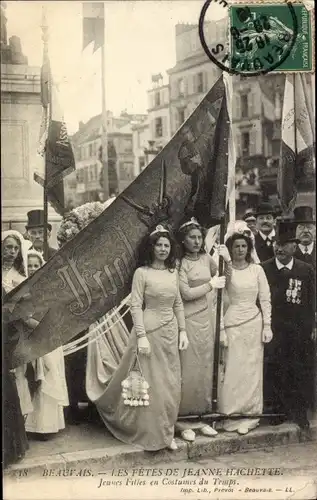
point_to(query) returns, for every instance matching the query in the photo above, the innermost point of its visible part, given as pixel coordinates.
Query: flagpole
(45, 198)
(104, 138)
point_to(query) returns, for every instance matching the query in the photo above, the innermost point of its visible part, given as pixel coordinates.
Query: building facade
(21, 113)
(256, 110)
(141, 135)
(85, 184)
(193, 74)
(159, 112)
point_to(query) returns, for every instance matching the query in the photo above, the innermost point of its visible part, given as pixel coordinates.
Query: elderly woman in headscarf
(13, 273)
(50, 389)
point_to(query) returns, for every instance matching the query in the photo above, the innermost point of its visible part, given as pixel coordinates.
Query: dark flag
(297, 150)
(54, 141)
(93, 24)
(92, 273)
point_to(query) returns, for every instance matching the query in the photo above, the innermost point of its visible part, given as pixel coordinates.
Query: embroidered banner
(92, 273)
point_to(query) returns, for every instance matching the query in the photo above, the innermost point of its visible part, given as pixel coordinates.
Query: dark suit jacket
(264, 252)
(288, 315)
(305, 257)
(51, 252)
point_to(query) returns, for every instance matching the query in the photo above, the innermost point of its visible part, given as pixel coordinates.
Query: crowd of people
(149, 370)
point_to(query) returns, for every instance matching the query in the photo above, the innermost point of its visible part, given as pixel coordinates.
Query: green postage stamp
(272, 37)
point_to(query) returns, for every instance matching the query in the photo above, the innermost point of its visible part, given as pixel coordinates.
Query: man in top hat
(35, 231)
(265, 224)
(288, 365)
(306, 234)
(250, 218)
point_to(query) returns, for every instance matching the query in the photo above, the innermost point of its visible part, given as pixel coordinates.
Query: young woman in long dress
(51, 396)
(246, 328)
(197, 278)
(156, 338)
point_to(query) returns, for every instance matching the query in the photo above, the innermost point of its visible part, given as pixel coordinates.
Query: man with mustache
(265, 222)
(306, 234)
(288, 372)
(35, 231)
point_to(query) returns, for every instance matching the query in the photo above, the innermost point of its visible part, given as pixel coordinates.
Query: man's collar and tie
(306, 249)
(268, 238)
(284, 267)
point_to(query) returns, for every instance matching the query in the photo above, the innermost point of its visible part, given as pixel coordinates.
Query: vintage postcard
(158, 250)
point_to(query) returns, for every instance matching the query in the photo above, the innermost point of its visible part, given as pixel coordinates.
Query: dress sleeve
(137, 299)
(264, 295)
(191, 293)
(179, 309)
(213, 266)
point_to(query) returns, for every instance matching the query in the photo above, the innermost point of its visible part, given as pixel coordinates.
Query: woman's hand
(224, 253)
(218, 282)
(144, 346)
(267, 334)
(183, 340)
(223, 338)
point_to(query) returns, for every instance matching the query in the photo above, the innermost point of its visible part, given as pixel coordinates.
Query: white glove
(267, 334)
(224, 253)
(144, 346)
(223, 338)
(218, 282)
(183, 340)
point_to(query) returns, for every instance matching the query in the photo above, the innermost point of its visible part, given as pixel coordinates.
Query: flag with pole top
(187, 178)
(55, 145)
(297, 147)
(93, 24)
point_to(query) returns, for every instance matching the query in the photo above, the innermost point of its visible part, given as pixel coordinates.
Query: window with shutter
(164, 126)
(244, 105)
(253, 146)
(158, 127)
(245, 143)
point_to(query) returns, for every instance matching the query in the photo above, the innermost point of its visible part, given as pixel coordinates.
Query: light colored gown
(52, 395)
(157, 310)
(197, 360)
(242, 387)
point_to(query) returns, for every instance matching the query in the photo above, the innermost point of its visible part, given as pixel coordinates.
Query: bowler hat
(303, 214)
(36, 219)
(265, 208)
(286, 231)
(248, 215)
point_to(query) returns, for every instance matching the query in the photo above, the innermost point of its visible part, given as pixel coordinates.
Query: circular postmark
(261, 37)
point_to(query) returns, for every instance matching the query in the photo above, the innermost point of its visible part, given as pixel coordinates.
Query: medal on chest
(293, 292)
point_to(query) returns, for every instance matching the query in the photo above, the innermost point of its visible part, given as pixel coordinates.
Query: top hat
(265, 208)
(286, 231)
(249, 214)
(304, 214)
(36, 219)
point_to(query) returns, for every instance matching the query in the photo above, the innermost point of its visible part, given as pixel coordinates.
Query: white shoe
(173, 446)
(188, 435)
(208, 431)
(244, 429)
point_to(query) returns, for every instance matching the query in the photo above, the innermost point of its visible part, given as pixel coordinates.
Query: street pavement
(270, 473)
